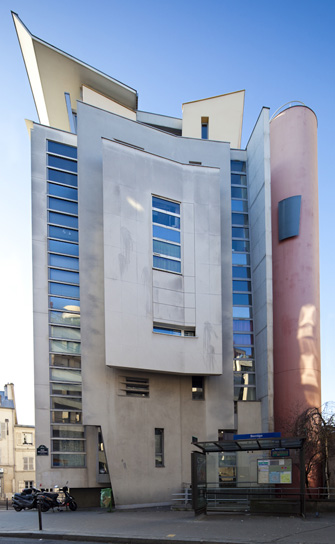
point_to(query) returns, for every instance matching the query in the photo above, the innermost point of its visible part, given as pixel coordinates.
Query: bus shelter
(271, 462)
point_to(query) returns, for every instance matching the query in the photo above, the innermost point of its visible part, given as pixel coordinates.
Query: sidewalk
(150, 526)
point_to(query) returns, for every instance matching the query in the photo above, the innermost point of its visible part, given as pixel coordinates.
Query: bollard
(39, 515)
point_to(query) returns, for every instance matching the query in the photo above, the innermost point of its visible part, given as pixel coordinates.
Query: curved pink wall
(296, 299)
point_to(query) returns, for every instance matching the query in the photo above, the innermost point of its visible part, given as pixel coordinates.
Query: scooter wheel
(73, 505)
(17, 508)
(44, 508)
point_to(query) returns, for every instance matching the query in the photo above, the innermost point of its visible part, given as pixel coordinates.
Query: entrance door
(199, 479)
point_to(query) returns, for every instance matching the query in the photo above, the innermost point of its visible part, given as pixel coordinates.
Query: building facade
(17, 448)
(153, 287)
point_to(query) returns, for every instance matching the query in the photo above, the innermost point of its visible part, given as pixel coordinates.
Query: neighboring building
(17, 448)
(153, 249)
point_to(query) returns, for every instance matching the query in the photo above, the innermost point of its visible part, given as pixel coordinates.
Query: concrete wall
(259, 195)
(100, 101)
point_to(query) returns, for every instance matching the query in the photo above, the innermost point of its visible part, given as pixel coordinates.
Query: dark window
(198, 392)
(159, 447)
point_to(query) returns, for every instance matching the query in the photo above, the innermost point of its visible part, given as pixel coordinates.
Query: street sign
(42, 450)
(256, 436)
(280, 452)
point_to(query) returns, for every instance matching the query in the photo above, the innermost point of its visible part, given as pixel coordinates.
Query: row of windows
(166, 235)
(67, 432)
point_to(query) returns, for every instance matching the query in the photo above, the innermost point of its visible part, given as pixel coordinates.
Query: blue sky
(171, 52)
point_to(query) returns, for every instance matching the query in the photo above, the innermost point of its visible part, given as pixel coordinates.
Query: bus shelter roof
(254, 444)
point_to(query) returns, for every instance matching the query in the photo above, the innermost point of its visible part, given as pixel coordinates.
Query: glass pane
(242, 325)
(240, 245)
(244, 393)
(63, 220)
(243, 339)
(239, 219)
(239, 232)
(64, 192)
(166, 219)
(242, 312)
(243, 352)
(63, 275)
(64, 403)
(62, 149)
(64, 262)
(68, 389)
(68, 445)
(241, 258)
(65, 375)
(66, 417)
(64, 304)
(63, 247)
(239, 205)
(163, 330)
(204, 131)
(64, 318)
(64, 290)
(67, 431)
(167, 264)
(163, 248)
(63, 177)
(243, 365)
(66, 361)
(237, 166)
(62, 164)
(241, 272)
(63, 234)
(238, 180)
(62, 205)
(242, 300)
(66, 460)
(62, 346)
(241, 285)
(239, 192)
(244, 379)
(65, 332)
(166, 234)
(165, 205)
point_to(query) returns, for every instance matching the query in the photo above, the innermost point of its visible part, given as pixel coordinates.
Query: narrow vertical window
(159, 447)
(204, 128)
(198, 388)
(166, 234)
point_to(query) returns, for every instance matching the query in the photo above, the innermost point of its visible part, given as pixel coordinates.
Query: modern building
(161, 283)
(17, 448)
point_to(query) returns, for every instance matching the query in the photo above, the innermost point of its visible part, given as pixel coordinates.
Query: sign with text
(42, 450)
(274, 471)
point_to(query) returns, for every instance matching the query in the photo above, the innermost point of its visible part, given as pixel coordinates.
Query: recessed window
(198, 390)
(174, 331)
(166, 234)
(159, 447)
(204, 128)
(134, 386)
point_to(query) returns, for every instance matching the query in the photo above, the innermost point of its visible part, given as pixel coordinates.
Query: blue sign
(256, 436)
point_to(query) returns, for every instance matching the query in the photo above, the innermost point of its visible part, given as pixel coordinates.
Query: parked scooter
(53, 500)
(26, 500)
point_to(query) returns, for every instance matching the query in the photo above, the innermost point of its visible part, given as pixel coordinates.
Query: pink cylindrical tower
(295, 247)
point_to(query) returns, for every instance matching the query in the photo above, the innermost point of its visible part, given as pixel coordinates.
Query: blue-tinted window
(204, 131)
(166, 234)
(64, 262)
(64, 318)
(242, 300)
(243, 339)
(239, 219)
(242, 325)
(63, 234)
(163, 248)
(239, 192)
(241, 272)
(167, 264)
(63, 247)
(63, 220)
(239, 205)
(241, 258)
(164, 330)
(62, 177)
(63, 275)
(62, 149)
(241, 285)
(63, 290)
(63, 205)
(63, 192)
(166, 205)
(237, 179)
(242, 312)
(237, 166)
(239, 232)
(62, 164)
(57, 303)
(243, 351)
(166, 219)
(240, 245)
